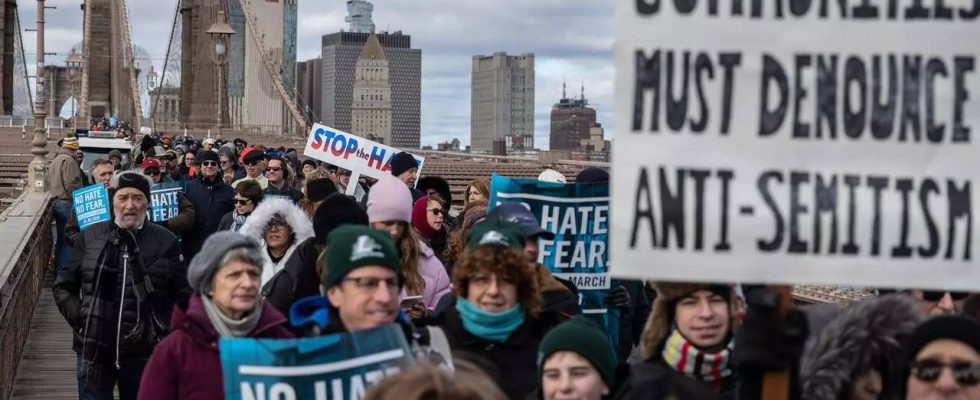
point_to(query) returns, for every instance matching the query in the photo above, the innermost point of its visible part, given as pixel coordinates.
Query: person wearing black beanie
(592, 175)
(404, 167)
(300, 277)
(944, 358)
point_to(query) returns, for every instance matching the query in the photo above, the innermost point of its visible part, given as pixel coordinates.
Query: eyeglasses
(251, 163)
(226, 162)
(934, 295)
(436, 211)
(965, 374)
(242, 202)
(152, 172)
(370, 284)
(274, 169)
(209, 163)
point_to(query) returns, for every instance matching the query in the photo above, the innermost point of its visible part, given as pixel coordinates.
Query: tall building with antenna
(573, 122)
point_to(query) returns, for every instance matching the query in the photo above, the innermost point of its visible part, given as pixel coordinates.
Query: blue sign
(164, 201)
(91, 205)
(339, 366)
(578, 215)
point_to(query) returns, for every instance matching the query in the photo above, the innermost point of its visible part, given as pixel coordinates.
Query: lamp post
(151, 85)
(74, 64)
(38, 168)
(219, 32)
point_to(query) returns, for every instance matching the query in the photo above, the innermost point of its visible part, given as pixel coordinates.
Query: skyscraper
(359, 16)
(571, 122)
(502, 102)
(309, 81)
(341, 51)
(371, 104)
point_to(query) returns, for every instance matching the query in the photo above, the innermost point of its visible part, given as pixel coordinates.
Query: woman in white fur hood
(280, 226)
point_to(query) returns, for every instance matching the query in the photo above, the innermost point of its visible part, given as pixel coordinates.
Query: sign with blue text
(338, 366)
(91, 205)
(164, 201)
(361, 156)
(578, 215)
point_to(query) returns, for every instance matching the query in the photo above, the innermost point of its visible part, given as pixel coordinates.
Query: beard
(129, 221)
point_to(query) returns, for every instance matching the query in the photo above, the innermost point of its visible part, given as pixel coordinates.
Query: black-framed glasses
(436, 211)
(152, 172)
(965, 373)
(242, 202)
(371, 284)
(251, 163)
(226, 162)
(936, 295)
(274, 169)
(209, 163)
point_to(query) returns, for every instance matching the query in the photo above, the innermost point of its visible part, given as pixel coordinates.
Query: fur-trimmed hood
(867, 335)
(659, 323)
(254, 227)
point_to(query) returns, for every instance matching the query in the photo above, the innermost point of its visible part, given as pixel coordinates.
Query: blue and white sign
(339, 366)
(91, 205)
(164, 201)
(578, 215)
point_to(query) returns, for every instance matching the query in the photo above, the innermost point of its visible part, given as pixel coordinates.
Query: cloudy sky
(572, 40)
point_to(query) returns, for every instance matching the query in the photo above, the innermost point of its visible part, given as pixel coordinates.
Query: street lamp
(219, 32)
(151, 85)
(74, 63)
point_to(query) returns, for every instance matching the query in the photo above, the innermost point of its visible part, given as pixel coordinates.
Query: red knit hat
(420, 218)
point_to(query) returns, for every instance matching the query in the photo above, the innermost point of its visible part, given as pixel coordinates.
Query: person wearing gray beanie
(202, 268)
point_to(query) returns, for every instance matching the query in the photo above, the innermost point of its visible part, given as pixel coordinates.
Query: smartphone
(410, 301)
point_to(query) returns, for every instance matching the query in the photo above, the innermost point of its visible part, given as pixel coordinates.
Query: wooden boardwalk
(47, 369)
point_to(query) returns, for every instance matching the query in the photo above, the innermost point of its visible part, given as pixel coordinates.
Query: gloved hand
(766, 341)
(618, 297)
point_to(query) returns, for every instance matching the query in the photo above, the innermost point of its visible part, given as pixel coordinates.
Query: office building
(571, 122)
(502, 103)
(371, 104)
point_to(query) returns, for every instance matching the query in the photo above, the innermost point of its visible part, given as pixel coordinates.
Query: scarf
(693, 363)
(495, 327)
(238, 220)
(227, 327)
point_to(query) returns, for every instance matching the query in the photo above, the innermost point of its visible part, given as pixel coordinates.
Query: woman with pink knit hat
(389, 208)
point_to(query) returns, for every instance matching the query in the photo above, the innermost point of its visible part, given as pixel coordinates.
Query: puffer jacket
(212, 199)
(298, 278)
(186, 364)
(255, 225)
(74, 287)
(434, 275)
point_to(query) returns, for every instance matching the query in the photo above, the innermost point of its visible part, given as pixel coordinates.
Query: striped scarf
(688, 360)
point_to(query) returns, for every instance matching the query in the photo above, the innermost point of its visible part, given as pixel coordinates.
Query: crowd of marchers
(267, 245)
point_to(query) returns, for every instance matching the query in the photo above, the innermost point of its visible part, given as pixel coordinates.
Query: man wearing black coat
(212, 199)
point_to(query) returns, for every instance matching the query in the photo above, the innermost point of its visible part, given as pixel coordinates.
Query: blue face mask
(495, 327)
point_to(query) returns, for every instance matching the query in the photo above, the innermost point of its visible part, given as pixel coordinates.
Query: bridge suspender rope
(129, 60)
(298, 117)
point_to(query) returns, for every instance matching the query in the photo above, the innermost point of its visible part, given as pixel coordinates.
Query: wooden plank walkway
(47, 368)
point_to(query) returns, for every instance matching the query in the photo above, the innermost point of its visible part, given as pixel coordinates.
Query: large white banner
(797, 141)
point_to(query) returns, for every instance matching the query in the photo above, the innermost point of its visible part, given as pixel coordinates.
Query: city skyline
(572, 41)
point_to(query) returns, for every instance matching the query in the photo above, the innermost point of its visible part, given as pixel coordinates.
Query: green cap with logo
(495, 232)
(350, 247)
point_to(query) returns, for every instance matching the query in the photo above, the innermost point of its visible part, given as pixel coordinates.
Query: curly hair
(504, 262)
(409, 253)
(457, 240)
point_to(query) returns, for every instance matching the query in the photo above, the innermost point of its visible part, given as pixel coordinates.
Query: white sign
(822, 142)
(361, 156)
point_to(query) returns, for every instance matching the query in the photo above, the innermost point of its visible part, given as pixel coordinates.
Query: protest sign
(91, 205)
(339, 366)
(578, 215)
(797, 142)
(164, 201)
(360, 155)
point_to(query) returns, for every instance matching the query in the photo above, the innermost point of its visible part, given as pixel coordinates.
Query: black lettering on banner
(702, 65)
(677, 109)
(883, 115)
(852, 182)
(737, 7)
(796, 209)
(699, 175)
(865, 10)
(841, 6)
(772, 72)
(763, 185)
(726, 176)
(800, 129)
(961, 65)
(826, 95)
(934, 132)
(972, 13)
(911, 73)
(825, 201)
(673, 209)
(647, 79)
(728, 63)
(892, 9)
(799, 8)
(916, 11)
(940, 11)
(685, 7)
(643, 193)
(855, 75)
(713, 8)
(877, 183)
(929, 186)
(902, 249)
(647, 7)
(960, 206)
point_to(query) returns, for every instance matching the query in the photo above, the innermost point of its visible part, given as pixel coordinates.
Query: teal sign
(164, 201)
(91, 205)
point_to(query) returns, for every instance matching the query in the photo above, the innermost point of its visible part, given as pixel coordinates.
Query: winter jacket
(297, 280)
(186, 364)
(74, 287)
(632, 318)
(286, 191)
(513, 363)
(435, 277)
(655, 380)
(65, 176)
(212, 199)
(183, 222)
(256, 223)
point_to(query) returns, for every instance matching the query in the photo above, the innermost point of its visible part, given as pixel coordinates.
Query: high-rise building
(359, 16)
(341, 51)
(502, 103)
(309, 87)
(371, 104)
(571, 121)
